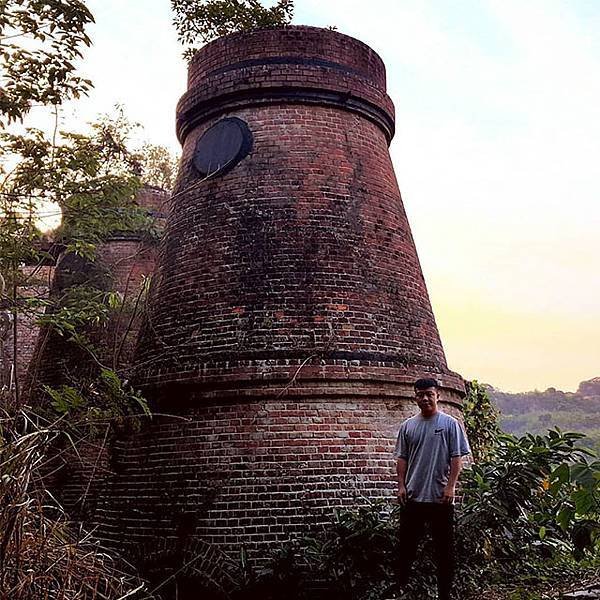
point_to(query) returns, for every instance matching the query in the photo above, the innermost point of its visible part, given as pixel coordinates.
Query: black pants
(415, 518)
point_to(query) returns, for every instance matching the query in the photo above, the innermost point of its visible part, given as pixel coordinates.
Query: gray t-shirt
(428, 445)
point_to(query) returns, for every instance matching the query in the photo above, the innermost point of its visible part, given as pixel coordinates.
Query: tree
(481, 421)
(204, 20)
(39, 42)
(159, 166)
(91, 179)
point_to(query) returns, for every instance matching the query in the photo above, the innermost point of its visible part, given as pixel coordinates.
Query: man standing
(429, 455)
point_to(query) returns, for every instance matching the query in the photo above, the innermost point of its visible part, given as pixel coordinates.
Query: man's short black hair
(426, 382)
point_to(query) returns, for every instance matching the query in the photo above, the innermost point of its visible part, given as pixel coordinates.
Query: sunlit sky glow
(496, 153)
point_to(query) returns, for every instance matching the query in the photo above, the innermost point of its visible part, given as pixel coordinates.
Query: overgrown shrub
(535, 503)
(481, 421)
(42, 553)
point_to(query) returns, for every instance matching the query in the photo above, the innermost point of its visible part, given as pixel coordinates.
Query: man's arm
(450, 489)
(401, 466)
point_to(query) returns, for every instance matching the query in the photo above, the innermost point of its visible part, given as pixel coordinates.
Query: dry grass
(42, 554)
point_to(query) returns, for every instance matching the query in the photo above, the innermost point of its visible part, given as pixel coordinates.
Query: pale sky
(497, 154)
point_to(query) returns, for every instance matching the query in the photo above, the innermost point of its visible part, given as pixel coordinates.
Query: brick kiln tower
(123, 261)
(289, 315)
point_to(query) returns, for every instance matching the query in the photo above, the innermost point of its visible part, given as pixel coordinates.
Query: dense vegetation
(537, 411)
(91, 179)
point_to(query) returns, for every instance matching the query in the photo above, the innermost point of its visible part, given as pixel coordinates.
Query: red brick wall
(225, 53)
(268, 66)
(36, 286)
(157, 201)
(258, 472)
(303, 249)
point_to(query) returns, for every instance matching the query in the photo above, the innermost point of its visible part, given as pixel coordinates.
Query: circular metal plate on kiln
(222, 146)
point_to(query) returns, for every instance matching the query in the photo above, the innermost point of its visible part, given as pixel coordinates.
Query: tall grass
(43, 555)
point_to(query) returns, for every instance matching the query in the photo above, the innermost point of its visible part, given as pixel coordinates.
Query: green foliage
(522, 502)
(358, 552)
(80, 306)
(481, 421)
(121, 394)
(64, 398)
(107, 399)
(352, 558)
(92, 179)
(39, 42)
(159, 166)
(200, 21)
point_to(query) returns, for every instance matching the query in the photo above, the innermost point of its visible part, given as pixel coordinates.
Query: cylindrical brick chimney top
(295, 64)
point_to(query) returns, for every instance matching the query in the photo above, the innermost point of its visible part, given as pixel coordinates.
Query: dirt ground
(542, 592)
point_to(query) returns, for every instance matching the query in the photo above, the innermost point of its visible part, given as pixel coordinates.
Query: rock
(592, 593)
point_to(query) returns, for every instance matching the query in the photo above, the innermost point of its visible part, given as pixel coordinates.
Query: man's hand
(449, 493)
(402, 494)
(450, 489)
(401, 467)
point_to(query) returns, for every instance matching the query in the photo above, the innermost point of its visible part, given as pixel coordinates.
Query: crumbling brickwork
(123, 262)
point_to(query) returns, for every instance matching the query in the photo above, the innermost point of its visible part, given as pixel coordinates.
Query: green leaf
(561, 473)
(565, 517)
(64, 398)
(583, 474)
(584, 501)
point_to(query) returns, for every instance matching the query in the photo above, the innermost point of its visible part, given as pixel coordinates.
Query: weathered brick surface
(304, 247)
(38, 280)
(256, 473)
(123, 262)
(156, 201)
(332, 50)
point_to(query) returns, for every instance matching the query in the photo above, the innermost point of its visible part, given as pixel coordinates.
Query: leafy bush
(481, 421)
(537, 500)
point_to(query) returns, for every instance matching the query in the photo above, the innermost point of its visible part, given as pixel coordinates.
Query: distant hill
(536, 411)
